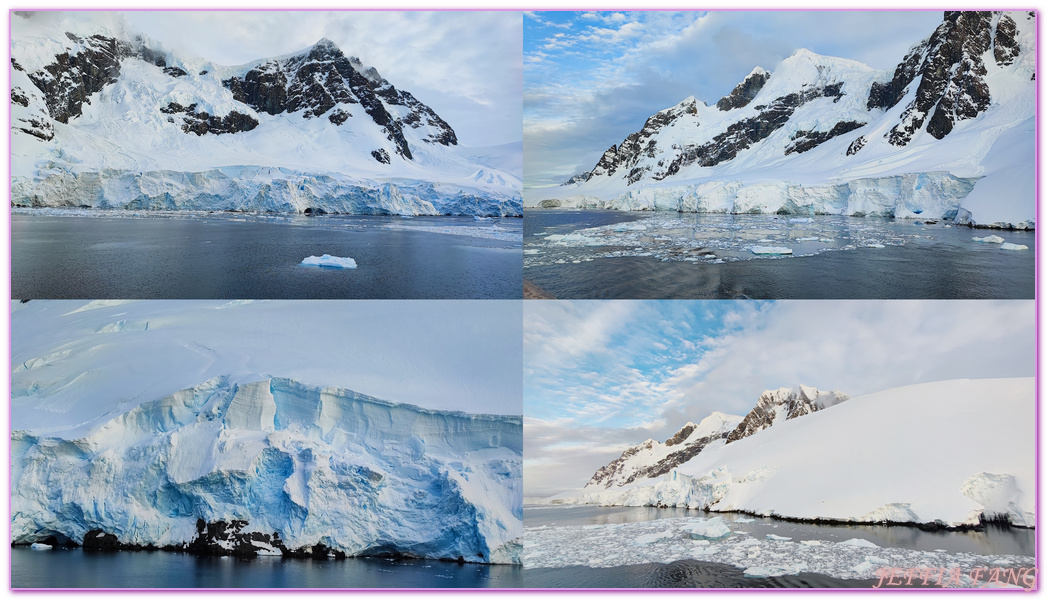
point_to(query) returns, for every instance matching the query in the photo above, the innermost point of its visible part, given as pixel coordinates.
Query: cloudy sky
(602, 376)
(591, 78)
(466, 65)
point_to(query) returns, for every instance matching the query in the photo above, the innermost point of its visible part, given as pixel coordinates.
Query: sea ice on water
(1010, 246)
(331, 262)
(770, 250)
(989, 239)
(708, 529)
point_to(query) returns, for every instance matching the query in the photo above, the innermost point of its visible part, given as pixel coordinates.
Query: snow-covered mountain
(652, 459)
(276, 465)
(105, 117)
(950, 134)
(842, 464)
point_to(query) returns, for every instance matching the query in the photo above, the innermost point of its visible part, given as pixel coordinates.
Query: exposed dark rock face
(175, 72)
(69, 82)
(228, 539)
(743, 134)
(641, 143)
(605, 475)
(772, 404)
(951, 74)
(96, 539)
(745, 91)
(856, 145)
(201, 122)
(380, 155)
(19, 97)
(338, 116)
(1005, 45)
(805, 140)
(614, 473)
(319, 80)
(583, 176)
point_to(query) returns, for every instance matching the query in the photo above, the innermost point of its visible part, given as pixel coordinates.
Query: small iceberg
(989, 239)
(330, 262)
(1010, 246)
(802, 220)
(39, 546)
(479, 218)
(770, 250)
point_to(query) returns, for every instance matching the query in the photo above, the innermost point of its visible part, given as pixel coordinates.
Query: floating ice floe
(1010, 246)
(708, 529)
(770, 250)
(779, 538)
(875, 246)
(859, 543)
(330, 262)
(989, 239)
(39, 546)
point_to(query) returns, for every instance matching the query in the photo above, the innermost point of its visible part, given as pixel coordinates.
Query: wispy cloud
(643, 369)
(605, 74)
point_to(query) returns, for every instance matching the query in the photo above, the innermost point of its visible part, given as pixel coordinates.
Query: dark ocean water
(78, 569)
(918, 261)
(254, 256)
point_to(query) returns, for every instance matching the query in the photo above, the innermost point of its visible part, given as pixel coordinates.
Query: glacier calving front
(315, 465)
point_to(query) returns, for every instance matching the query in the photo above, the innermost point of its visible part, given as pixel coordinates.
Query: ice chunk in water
(331, 262)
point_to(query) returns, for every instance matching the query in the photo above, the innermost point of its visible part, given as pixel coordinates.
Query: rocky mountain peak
(782, 404)
(948, 70)
(744, 92)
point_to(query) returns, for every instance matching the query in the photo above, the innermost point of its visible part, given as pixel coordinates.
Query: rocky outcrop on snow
(775, 406)
(652, 459)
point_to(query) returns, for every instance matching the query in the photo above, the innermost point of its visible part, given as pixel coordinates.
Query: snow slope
(105, 117)
(314, 465)
(967, 446)
(826, 135)
(77, 364)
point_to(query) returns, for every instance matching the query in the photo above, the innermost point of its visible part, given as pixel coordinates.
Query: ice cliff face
(275, 466)
(799, 139)
(105, 117)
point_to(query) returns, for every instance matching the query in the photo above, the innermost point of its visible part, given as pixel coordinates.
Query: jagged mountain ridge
(283, 464)
(818, 124)
(90, 97)
(652, 459)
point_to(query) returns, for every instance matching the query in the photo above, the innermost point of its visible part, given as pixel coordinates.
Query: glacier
(105, 117)
(827, 135)
(841, 463)
(283, 465)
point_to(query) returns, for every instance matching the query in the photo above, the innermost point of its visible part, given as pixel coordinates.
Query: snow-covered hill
(824, 135)
(292, 466)
(950, 452)
(105, 117)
